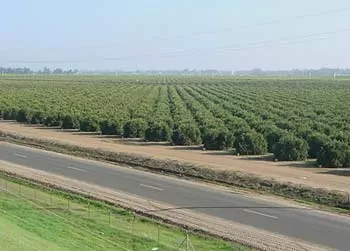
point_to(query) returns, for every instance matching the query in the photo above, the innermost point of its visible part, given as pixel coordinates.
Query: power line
(269, 43)
(201, 33)
(228, 48)
(227, 30)
(253, 45)
(262, 23)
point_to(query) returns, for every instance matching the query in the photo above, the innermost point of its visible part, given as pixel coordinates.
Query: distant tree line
(297, 72)
(15, 70)
(45, 70)
(211, 72)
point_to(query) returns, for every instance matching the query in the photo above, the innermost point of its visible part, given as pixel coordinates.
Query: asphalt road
(310, 225)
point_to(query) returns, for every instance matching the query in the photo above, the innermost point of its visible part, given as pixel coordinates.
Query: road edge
(320, 196)
(212, 226)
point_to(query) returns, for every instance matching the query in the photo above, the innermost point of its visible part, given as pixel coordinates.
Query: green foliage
(37, 118)
(346, 162)
(218, 139)
(316, 142)
(135, 128)
(21, 115)
(13, 114)
(70, 122)
(186, 134)
(321, 127)
(341, 136)
(250, 143)
(7, 114)
(290, 148)
(53, 120)
(236, 125)
(273, 107)
(89, 125)
(27, 116)
(285, 125)
(111, 127)
(303, 131)
(158, 131)
(334, 154)
(273, 134)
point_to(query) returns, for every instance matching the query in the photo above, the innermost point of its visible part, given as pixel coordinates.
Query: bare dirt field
(296, 172)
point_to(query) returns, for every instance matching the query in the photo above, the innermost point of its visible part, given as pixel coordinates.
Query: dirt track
(295, 172)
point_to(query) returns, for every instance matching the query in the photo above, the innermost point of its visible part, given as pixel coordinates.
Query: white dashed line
(77, 169)
(20, 155)
(152, 187)
(254, 212)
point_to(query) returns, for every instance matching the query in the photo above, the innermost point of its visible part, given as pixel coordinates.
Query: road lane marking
(254, 212)
(152, 187)
(20, 155)
(77, 169)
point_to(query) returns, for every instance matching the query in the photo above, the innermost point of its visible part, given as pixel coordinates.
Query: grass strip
(35, 218)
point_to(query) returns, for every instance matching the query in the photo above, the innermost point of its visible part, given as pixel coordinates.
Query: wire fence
(157, 235)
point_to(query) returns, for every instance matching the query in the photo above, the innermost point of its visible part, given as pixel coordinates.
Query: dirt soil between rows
(295, 172)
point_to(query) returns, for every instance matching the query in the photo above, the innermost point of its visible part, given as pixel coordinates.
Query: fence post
(68, 203)
(20, 188)
(109, 217)
(34, 194)
(133, 224)
(187, 242)
(158, 233)
(51, 199)
(89, 209)
(348, 200)
(6, 185)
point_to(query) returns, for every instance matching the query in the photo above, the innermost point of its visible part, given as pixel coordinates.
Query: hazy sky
(178, 34)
